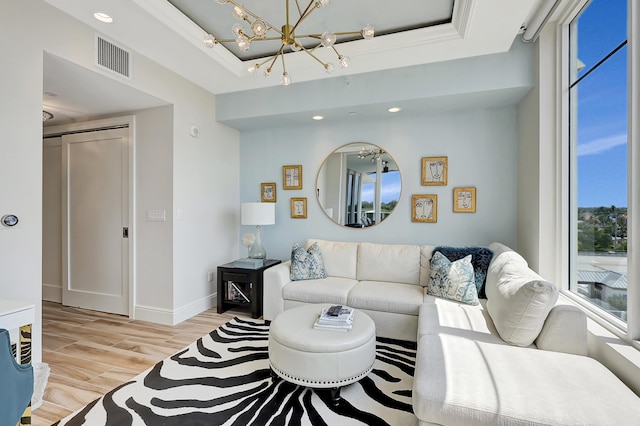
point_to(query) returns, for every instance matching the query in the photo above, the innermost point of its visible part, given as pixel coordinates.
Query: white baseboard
(52, 293)
(176, 316)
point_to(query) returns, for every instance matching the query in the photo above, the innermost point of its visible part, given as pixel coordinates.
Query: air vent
(112, 57)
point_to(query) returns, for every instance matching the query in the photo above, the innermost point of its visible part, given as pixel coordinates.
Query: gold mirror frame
(348, 178)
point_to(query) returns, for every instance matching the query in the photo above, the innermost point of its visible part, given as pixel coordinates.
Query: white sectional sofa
(519, 357)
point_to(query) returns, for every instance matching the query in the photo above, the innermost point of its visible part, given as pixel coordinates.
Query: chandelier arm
(284, 69)
(249, 12)
(304, 15)
(299, 9)
(275, 57)
(335, 33)
(310, 53)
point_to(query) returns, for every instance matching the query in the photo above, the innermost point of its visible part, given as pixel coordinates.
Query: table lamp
(258, 214)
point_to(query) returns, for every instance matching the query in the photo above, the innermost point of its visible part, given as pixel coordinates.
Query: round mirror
(358, 185)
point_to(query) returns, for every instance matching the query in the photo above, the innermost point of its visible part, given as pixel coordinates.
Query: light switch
(156, 215)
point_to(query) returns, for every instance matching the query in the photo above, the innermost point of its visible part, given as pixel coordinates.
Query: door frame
(127, 121)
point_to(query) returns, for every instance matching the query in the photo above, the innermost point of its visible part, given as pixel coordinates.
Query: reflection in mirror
(358, 185)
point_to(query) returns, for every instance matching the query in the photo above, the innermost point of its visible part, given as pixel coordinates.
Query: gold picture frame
(292, 177)
(424, 208)
(435, 171)
(299, 208)
(268, 192)
(464, 200)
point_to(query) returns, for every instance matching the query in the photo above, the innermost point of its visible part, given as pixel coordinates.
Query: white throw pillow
(519, 302)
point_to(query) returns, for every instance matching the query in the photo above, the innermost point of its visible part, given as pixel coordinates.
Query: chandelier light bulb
(295, 47)
(344, 61)
(259, 28)
(239, 13)
(236, 29)
(328, 67)
(243, 43)
(209, 41)
(323, 3)
(267, 72)
(286, 80)
(253, 68)
(368, 32)
(327, 39)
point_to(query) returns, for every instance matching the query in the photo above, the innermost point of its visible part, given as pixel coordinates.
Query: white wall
(482, 148)
(154, 191)
(208, 194)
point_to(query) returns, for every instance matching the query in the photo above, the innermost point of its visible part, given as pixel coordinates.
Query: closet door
(95, 194)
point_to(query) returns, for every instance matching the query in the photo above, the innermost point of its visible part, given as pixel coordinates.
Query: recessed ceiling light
(393, 109)
(318, 117)
(103, 17)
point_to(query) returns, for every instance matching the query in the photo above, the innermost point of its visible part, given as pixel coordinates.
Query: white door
(95, 194)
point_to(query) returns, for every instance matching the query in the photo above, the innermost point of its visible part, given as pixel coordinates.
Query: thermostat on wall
(9, 220)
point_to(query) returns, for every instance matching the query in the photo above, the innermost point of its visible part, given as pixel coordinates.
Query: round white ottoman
(300, 354)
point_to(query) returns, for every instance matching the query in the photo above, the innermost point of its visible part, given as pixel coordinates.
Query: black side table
(241, 287)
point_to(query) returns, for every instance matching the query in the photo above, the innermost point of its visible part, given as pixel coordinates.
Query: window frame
(629, 331)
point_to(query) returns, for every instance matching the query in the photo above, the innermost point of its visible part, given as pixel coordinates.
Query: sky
(390, 188)
(602, 106)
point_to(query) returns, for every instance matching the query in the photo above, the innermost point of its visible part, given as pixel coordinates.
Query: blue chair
(17, 384)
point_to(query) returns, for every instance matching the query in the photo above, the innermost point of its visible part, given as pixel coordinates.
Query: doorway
(94, 164)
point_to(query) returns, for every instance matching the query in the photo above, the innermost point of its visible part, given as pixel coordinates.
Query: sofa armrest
(273, 279)
(564, 330)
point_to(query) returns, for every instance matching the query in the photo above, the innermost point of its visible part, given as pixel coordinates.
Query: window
(598, 101)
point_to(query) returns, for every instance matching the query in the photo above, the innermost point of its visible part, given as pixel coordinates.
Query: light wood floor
(90, 352)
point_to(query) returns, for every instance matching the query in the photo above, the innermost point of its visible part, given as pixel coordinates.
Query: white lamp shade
(258, 214)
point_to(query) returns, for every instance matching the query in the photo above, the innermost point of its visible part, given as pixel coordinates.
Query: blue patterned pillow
(481, 259)
(306, 265)
(452, 280)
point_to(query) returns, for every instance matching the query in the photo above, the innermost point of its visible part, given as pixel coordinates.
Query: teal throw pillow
(306, 264)
(452, 280)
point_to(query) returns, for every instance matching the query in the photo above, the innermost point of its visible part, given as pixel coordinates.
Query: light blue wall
(481, 145)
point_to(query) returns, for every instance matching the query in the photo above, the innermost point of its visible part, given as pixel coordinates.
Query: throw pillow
(520, 302)
(306, 264)
(481, 258)
(452, 280)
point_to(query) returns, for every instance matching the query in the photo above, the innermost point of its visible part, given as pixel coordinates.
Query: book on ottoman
(335, 317)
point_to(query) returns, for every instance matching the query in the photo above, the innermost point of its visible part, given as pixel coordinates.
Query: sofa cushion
(452, 280)
(306, 264)
(328, 290)
(450, 317)
(461, 381)
(340, 258)
(519, 302)
(386, 297)
(425, 258)
(481, 258)
(398, 263)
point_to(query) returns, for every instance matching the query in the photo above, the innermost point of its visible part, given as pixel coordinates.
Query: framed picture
(268, 191)
(424, 208)
(292, 177)
(434, 170)
(299, 208)
(464, 200)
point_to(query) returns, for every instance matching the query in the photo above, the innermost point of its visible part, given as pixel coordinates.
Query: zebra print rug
(223, 379)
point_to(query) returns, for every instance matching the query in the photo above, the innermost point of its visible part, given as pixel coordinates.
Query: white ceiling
(158, 30)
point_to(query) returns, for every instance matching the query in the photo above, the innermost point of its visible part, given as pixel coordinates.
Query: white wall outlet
(210, 276)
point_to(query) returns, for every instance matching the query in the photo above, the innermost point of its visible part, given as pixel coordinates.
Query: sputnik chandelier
(261, 30)
(375, 154)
